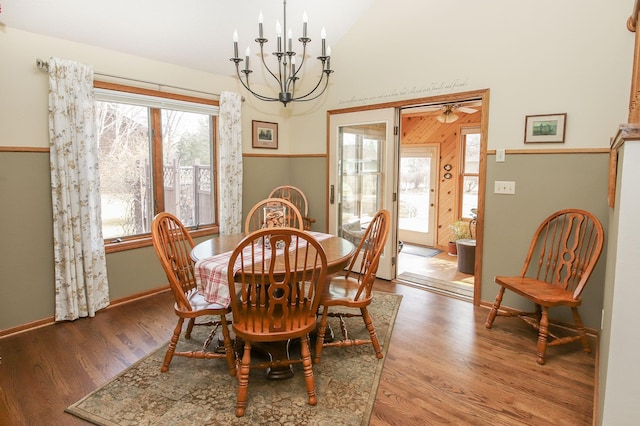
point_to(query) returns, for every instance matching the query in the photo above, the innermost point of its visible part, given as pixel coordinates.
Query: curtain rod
(44, 66)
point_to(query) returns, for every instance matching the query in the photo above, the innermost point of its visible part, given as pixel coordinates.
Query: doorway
(446, 116)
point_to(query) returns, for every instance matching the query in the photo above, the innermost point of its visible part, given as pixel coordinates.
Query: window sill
(113, 246)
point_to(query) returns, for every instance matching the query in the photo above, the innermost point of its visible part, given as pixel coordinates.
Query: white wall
(24, 88)
(536, 57)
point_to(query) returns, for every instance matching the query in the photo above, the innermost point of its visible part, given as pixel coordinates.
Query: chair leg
(368, 322)
(494, 308)
(308, 371)
(581, 331)
(243, 380)
(190, 325)
(543, 334)
(321, 331)
(228, 346)
(172, 346)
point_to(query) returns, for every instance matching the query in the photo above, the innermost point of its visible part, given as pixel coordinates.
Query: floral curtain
(230, 163)
(80, 263)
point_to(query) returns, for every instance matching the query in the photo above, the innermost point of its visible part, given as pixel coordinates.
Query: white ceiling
(192, 33)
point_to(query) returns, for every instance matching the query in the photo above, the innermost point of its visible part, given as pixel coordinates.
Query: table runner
(211, 273)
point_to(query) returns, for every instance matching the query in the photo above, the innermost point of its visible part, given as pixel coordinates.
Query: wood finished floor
(442, 367)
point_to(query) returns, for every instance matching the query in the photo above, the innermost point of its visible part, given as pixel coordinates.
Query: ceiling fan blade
(467, 110)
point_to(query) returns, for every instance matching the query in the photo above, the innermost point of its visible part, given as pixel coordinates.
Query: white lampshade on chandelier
(288, 70)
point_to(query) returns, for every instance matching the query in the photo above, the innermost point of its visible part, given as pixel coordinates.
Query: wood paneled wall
(424, 129)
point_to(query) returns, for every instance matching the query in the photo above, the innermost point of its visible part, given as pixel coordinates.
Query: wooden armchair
(256, 218)
(563, 252)
(353, 290)
(274, 297)
(297, 197)
(173, 245)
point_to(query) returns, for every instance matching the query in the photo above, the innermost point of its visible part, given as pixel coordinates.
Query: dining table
(212, 258)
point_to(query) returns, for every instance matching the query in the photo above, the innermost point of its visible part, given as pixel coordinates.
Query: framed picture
(547, 128)
(265, 135)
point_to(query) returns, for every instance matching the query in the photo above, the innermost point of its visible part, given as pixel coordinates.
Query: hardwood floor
(442, 366)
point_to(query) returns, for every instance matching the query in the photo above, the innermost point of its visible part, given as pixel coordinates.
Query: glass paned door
(416, 206)
(362, 176)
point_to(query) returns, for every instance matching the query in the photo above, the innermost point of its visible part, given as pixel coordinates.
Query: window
(155, 154)
(470, 171)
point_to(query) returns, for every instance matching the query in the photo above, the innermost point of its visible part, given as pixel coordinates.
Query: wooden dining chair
(274, 297)
(354, 288)
(562, 254)
(173, 245)
(297, 197)
(256, 218)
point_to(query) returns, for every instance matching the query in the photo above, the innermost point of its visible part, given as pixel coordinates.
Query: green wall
(544, 183)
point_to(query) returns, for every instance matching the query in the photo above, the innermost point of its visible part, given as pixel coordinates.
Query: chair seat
(341, 291)
(197, 302)
(540, 292)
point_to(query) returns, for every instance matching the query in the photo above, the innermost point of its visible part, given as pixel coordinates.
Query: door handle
(331, 195)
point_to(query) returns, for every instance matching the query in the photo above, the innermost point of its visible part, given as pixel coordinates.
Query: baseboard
(51, 320)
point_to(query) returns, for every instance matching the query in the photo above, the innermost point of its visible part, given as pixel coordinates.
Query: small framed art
(265, 135)
(547, 128)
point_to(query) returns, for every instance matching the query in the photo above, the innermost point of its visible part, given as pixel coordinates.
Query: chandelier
(286, 74)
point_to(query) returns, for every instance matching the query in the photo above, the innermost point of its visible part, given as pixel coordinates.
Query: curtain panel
(80, 262)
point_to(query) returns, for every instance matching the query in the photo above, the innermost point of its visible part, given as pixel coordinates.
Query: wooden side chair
(173, 245)
(353, 290)
(563, 252)
(259, 217)
(297, 197)
(275, 294)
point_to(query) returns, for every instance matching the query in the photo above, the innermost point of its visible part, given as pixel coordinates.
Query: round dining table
(339, 252)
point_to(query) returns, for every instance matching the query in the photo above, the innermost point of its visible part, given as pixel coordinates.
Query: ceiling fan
(448, 114)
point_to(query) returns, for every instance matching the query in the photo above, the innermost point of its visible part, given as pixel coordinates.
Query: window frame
(144, 240)
(464, 131)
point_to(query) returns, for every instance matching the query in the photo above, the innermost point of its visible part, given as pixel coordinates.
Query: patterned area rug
(199, 392)
(462, 288)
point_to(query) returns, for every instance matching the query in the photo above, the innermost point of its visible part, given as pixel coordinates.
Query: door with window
(361, 176)
(417, 199)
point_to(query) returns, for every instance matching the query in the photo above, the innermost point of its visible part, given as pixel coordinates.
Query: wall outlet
(504, 187)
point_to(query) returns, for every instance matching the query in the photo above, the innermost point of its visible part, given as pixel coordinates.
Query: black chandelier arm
(264, 63)
(247, 86)
(324, 72)
(304, 98)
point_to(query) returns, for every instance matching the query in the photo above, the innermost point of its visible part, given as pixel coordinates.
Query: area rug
(201, 392)
(420, 251)
(458, 288)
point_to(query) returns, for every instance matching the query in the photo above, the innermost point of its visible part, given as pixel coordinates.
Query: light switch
(500, 155)
(504, 187)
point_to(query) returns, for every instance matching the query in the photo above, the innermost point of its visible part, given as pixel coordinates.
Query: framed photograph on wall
(547, 128)
(265, 135)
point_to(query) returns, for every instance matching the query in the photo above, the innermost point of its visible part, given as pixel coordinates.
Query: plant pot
(453, 249)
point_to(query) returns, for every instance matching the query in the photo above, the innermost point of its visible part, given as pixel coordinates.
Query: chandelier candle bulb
(279, 35)
(323, 37)
(235, 44)
(290, 37)
(305, 19)
(260, 19)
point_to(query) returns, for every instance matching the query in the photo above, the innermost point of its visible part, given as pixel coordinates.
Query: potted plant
(459, 230)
